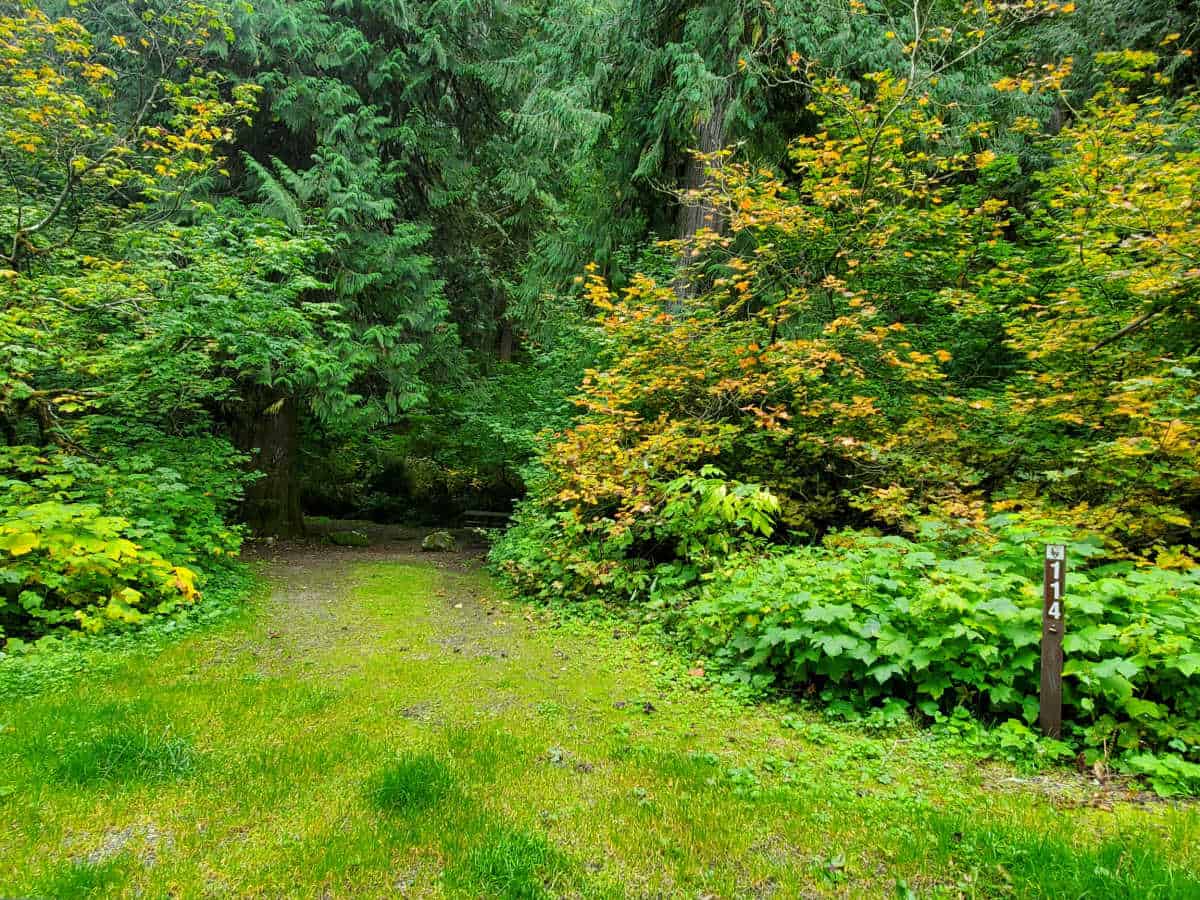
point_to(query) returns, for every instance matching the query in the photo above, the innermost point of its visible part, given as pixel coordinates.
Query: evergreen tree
(385, 124)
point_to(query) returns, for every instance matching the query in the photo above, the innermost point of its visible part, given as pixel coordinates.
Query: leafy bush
(868, 619)
(60, 659)
(92, 546)
(680, 530)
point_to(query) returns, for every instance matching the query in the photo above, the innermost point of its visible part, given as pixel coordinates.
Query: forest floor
(385, 723)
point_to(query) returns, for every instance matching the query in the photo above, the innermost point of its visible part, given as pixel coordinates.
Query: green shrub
(89, 546)
(865, 619)
(689, 524)
(60, 659)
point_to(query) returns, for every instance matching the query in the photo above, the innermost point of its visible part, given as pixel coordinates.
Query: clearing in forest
(391, 725)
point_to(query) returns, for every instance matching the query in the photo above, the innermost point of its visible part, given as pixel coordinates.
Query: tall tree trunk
(696, 213)
(506, 341)
(265, 426)
(506, 337)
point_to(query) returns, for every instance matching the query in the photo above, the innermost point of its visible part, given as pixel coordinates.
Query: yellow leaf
(185, 582)
(20, 544)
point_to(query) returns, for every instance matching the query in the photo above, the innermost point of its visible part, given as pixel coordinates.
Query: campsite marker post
(1054, 585)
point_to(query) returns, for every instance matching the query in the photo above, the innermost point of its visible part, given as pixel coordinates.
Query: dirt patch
(311, 605)
(425, 712)
(1066, 790)
(146, 840)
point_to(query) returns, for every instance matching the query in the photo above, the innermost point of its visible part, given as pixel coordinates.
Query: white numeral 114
(1055, 610)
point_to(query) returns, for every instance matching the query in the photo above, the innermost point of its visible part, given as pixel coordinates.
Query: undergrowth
(55, 662)
(884, 630)
(884, 623)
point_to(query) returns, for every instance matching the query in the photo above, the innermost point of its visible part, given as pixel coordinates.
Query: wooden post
(1054, 585)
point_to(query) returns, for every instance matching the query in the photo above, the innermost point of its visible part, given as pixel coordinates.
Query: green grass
(998, 858)
(414, 783)
(514, 865)
(362, 734)
(83, 879)
(125, 754)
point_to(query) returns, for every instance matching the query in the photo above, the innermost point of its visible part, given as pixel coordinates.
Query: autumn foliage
(890, 340)
(883, 339)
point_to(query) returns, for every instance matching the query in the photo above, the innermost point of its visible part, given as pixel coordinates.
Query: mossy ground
(389, 725)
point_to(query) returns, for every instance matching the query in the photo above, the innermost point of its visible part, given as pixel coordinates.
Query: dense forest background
(742, 300)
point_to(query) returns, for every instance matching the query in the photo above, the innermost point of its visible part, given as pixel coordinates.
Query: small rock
(620, 704)
(350, 539)
(438, 542)
(647, 707)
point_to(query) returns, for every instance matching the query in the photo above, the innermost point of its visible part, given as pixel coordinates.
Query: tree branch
(1132, 328)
